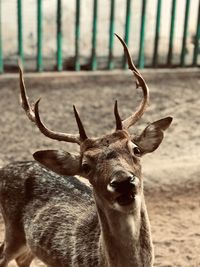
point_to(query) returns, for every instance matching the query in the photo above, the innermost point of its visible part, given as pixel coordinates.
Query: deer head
(111, 163)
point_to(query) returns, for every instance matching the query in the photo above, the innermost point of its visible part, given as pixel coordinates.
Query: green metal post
(94, 37)
(142, 35)
(157, 34)
(77, 36)
(39, 36)
(20, 28)
(127, 29)
(59, 35)
(1, 50)
(171, 38)
(111, 35)
(183, 51)
(197, 40)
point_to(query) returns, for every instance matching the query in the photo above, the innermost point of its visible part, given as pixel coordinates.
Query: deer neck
(125, 238)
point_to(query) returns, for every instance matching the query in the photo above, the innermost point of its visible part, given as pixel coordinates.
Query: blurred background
(55, 34)
(71, 56)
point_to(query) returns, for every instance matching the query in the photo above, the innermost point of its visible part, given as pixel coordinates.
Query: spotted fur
(66, 223)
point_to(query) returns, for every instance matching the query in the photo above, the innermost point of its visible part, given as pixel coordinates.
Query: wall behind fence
(79, 34)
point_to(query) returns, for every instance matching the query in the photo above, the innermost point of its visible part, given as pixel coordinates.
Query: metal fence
(110, 60)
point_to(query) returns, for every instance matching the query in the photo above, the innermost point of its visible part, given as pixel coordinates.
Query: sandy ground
(171, 174)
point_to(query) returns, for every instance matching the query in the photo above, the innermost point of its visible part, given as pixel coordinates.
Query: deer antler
(140, 83)
(118, 120)
(33, 114)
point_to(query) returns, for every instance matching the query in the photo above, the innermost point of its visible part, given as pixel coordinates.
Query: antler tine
(117, 117)
(33, 115)
(23, 96)
(82, 132)
(140, 82)
(52, 134)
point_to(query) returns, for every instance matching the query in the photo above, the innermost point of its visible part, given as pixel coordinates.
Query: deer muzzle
(125, 188)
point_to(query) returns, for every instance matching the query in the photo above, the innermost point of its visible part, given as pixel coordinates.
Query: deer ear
(152, 136)
(60, 162)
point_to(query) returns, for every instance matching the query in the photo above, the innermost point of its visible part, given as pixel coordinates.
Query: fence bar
(1, 50)
(127, 29)
(171, 38)
(157, 34)
(183, 51)
(20, 30)
(39, 36)
(197, 38)
(59, 35)
(111, 35)
(94, 36)
(77, 36)
(142, 35)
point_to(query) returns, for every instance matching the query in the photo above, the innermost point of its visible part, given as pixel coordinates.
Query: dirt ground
(171, 174)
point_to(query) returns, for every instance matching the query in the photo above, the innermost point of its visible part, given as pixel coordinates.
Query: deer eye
(137, 151)
(86, 168)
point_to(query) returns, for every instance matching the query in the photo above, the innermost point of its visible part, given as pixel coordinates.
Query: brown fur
(58, 219)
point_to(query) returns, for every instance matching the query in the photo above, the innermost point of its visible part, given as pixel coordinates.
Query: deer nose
(127, 184)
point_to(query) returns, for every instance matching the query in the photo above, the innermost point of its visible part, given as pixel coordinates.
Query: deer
(52, 215)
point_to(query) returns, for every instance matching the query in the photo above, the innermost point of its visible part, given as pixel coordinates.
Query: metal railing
(110, 59)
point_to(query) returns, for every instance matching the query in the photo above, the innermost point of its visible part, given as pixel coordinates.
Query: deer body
(61, 225)
(50, 214)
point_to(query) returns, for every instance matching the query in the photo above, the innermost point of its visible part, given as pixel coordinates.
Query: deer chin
(127, 205)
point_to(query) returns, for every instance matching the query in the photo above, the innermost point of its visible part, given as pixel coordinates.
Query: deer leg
(1, 248)
(25, 259)
(13, 246)
(1, 253)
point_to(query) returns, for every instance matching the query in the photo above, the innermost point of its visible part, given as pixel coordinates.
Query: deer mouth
(126, 199)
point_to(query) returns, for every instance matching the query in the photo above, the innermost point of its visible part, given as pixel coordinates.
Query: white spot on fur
(137, 181)
(110, 188)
